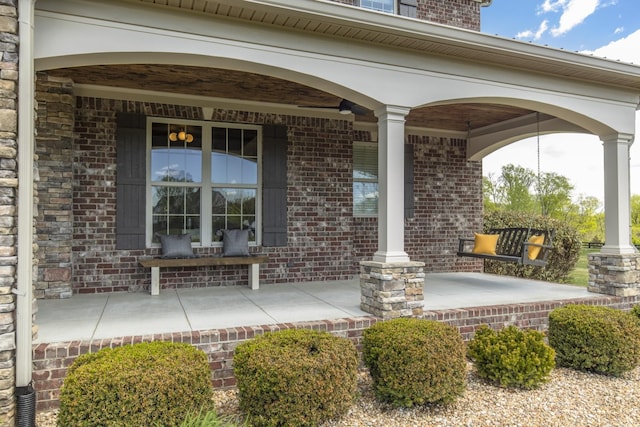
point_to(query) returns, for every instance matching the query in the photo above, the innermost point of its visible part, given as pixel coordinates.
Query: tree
(516, 183)
(554, 195)
(635, 209)
(635, 219)
(586, 215)
(491, 197)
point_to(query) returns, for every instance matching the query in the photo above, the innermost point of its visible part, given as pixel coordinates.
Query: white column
(617, 195)
(391, 184)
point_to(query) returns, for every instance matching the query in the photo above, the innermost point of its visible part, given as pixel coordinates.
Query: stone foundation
(614, 274)
(390, 290)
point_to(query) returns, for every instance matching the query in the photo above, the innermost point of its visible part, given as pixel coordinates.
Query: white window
(203, 178)
(365, 179)
(387, 6)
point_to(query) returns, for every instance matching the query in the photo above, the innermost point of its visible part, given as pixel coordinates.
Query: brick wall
(325, 241)
(448, 203)
(457, 13)
(51, 360)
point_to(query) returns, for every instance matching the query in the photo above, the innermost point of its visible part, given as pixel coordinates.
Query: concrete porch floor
(97, 316)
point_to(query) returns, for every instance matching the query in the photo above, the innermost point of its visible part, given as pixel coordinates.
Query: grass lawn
(580, 274)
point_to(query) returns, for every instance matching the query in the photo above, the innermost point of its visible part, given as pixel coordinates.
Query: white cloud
(573, 13)
(624, 49)
(552, 6)
(618, 30)
(528, 34)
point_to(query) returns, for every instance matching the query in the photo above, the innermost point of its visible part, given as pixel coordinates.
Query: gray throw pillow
(235, 242)
(176, 245)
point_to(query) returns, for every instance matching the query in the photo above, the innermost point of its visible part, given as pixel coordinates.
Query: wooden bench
(513, 246)
(253, 261)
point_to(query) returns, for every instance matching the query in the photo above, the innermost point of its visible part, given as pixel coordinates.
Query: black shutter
(130, 180)
(409, 210)
(274, 185)
(408, 8)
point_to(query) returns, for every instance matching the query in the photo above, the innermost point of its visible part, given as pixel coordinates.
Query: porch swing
(521, 245)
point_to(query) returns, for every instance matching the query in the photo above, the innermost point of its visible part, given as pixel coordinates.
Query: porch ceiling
(236, 85)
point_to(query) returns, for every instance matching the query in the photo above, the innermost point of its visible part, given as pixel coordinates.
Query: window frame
(206, 185)
(369, 144)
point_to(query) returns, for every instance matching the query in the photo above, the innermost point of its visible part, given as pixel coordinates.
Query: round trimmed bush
(295, 377)
(414, 362)
(145, 384)
(512, 357)
(595, 339)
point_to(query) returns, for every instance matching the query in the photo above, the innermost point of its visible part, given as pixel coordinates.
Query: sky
(604, 28)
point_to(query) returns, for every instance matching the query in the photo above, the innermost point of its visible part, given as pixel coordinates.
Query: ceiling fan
(345, 107)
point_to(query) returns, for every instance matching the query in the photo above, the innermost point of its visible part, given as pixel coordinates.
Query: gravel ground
(570, 399)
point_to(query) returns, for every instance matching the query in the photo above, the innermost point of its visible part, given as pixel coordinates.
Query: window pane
(249, 171)
(365, 179)
(365, 198)
(176, 210)
(176, 153)
(365, 162)
(250, 143)
(234, 156)
(235, 141)
(380, 5)
(234, 208)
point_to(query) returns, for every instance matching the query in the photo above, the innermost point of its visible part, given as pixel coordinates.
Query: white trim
(26, 137)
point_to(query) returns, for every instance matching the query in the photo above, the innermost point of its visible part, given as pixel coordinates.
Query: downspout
(26, 103)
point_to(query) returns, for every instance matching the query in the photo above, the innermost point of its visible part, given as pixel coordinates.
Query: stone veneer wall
(614, 274)
(458, 13)
(54, 221)
(325, 241)
(51, 360)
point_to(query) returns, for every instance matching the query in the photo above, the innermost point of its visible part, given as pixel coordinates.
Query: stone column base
(614, 274)
(390, 290)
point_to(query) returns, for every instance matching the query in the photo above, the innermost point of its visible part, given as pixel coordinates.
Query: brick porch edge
(51, 360)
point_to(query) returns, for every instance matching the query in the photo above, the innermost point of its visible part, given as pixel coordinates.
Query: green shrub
(414, 362)
(595, 339)
(145, 384)
(512, 357)
(206, 419)
(295, 377)
(562, 258)
(635, 311)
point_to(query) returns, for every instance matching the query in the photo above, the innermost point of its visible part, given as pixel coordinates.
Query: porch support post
(617, 195)
(616, 269)
(391, 185)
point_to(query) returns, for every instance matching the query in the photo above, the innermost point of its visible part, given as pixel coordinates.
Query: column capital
(389, 111)
(625, 138)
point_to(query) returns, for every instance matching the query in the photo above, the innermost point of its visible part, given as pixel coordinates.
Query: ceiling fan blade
(345, 107)
(318, 106)
(359, 110)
